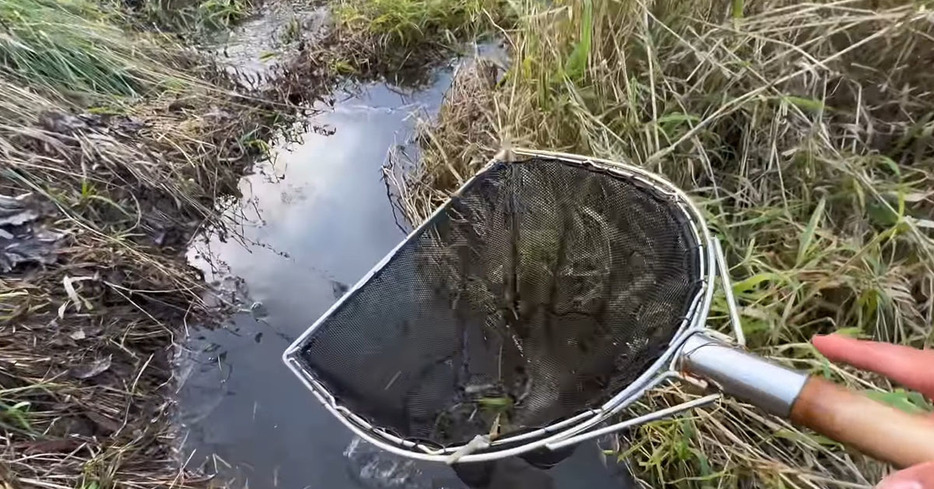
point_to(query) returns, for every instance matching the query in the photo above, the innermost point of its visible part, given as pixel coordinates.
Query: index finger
(907, 366)
(920, 476)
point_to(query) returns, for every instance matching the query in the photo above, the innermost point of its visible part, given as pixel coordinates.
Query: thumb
(917, 477)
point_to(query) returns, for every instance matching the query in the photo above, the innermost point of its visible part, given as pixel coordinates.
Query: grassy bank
(400, 41)
(804, 131)
(122, 142)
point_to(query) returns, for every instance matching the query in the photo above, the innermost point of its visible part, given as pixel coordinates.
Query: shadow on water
(313, 221)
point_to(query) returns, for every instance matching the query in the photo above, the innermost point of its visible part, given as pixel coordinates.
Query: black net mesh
(544, 288)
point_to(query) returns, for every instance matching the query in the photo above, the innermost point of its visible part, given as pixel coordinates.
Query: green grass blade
(808, 236)
(576, 65)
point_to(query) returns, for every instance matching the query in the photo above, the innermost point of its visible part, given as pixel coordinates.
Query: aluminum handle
(737, 373)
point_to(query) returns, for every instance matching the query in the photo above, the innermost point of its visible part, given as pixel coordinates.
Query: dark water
(318, 219)
(313, 221)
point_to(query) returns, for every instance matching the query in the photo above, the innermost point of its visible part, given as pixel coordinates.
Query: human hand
(909, 367)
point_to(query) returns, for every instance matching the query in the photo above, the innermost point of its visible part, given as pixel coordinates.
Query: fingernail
(900, 485)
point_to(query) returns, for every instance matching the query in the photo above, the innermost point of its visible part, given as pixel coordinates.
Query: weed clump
(398, 40)
(409, 24)
(188, 19)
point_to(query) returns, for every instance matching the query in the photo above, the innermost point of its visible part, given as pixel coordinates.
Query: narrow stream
(320, 218)
(314, 220)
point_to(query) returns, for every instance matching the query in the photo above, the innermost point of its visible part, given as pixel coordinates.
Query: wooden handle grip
(878, 430)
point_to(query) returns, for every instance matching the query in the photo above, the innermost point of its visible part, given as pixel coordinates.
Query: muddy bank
(94, 287)
(87, 328)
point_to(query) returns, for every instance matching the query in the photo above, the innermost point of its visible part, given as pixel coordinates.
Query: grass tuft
(189, 18)
(72, 48)
(408, 23)
(401, 39)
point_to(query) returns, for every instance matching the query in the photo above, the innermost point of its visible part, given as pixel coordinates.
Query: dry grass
(803, 129)
(127, 205)
(126, 184)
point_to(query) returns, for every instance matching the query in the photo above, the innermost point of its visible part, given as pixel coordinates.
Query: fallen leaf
(92, 369)
(14, 211)
(26, 245)
(68, 282)
(923, 223)
(72, 294)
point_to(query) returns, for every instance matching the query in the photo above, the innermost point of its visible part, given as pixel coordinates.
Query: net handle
(878, 430)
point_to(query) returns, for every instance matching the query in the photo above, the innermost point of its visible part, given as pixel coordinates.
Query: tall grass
(803, 129)
(72, 47)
